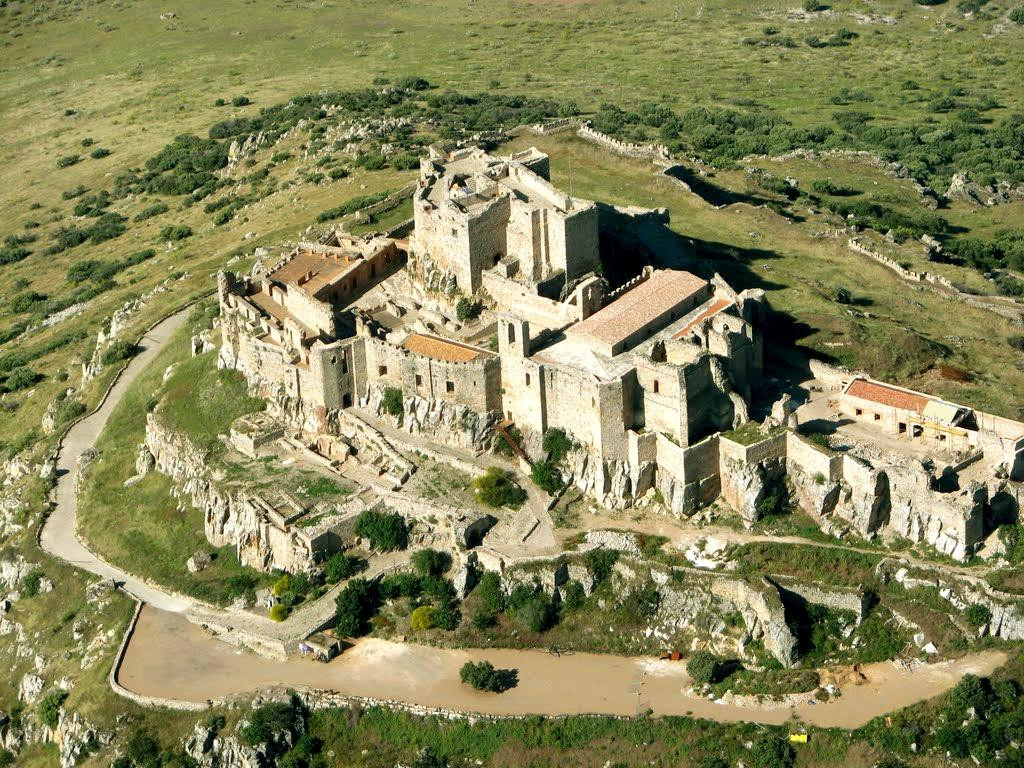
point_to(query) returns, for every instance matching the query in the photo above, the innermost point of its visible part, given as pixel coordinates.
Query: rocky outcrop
(864, 497)
(449, 423)
(748, 486)
(209, 749)
(615, 484)
(763, 613)
(962, 188)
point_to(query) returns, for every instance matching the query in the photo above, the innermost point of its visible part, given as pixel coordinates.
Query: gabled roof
(443, 349)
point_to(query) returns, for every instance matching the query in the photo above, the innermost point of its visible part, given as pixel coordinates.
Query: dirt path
(169, 657)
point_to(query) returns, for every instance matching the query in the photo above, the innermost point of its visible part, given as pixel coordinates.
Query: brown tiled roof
(312, 271)
(884, 394)
(442, 349)
(663, 290)
(709, 310)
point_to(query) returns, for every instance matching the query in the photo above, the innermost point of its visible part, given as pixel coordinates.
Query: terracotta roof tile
(709, 310)
(884, 394)
(442, 349)
(662, 291)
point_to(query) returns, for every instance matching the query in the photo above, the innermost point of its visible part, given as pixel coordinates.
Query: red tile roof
(442, 349)
(887, 395)
(655, 296)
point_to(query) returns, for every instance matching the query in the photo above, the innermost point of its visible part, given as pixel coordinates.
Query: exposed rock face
(950, 522)
(200, 561)
(230, 518)
(962, 188)
(616, 484)
(763, 613)
(864, 499)
(746, 486)
(814, 493)
(210, 750)
(449, 423)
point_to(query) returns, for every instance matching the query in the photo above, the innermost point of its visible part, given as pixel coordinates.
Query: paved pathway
(59, 536)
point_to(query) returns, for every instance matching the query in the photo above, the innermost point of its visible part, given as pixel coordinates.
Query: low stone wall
(804, 456)
(555, 126)
(647, 151)
(855, 600)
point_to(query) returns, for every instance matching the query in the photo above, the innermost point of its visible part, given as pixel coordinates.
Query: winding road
(169, 656)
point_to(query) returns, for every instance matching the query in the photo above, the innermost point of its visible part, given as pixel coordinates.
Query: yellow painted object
(798, 738)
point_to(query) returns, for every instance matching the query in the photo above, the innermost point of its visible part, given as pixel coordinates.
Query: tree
(354, 607)
(386, 531)
(600, 562)
(50, 706)
(271, 721)
(573, 595)
(430, 562)
(279, 612)
(704, 667)
(340, 566)
(488, 592)
(447, 615)
(556, 444)
(467, 309)
(484, 677)
(547, 477)
(536, 613)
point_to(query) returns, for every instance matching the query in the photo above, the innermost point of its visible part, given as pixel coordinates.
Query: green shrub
(556, 444)
(401, 584)
(353, 205)
(49, 707)
(272, 721)
(484, 677)
(495, 488)
(488, 592)
(279, 611)
(386, 531)
(176, 232)
(422, 619)
(573, 595)
(704, 668)
(600, 563)
(430, 562)
(118, 351)
(30, 582)
(20, 378)
(483, 619)
(151, 210)
(1017, 14)
(67, 160)
(393, 404)
(99, 153)
(770, 751)
(241, 101)
(978, 615)
(546, 476)
(339, 567)
(467, 309)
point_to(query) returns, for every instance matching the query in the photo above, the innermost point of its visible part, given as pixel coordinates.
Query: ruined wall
(815, 475)
(688, 477)
(474, 384)
(751, 473)
(527, 304)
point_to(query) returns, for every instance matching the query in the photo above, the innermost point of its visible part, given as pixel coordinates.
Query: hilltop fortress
(651, 382)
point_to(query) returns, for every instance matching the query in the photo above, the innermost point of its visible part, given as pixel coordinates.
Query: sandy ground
(172, 658)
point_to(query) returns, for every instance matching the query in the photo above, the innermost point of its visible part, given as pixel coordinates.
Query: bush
(422, 619)
(1017, 15)
(353, 205)
(393, 404)
(704, 667)
(573, 595)
(340, 566)
(402, 584)
(484, 677)
(483, 619)
(447, 615)
(600, 563)
(99, 153)
(467, 309)
(176, 232)
(488, 591)
(430, 562)
(538, 613)
(978, 615)
(241, 101)
(21, 378)
(30, 582)
(556, 444)
(770, 751)
(67, 160)
(386, 531)
(49, 707)
(279, 611)
(151, 210)
(546, 476)
(495, 488)
(272, 721)
(118, 351)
